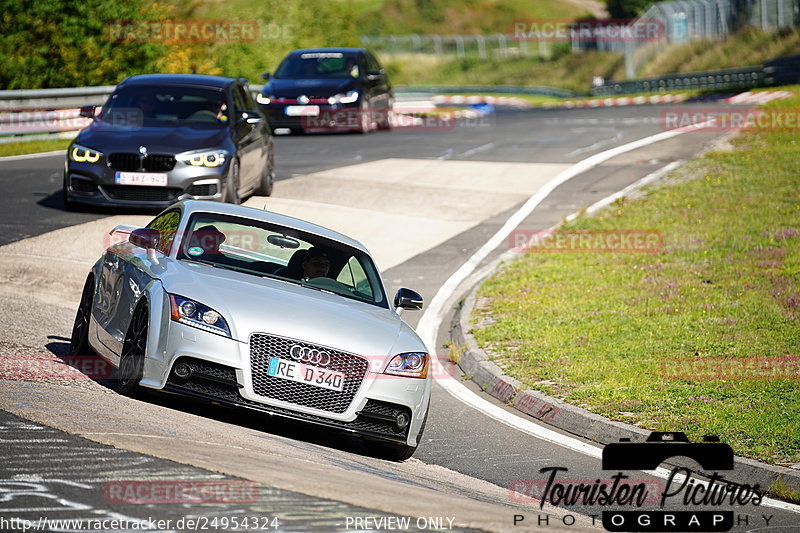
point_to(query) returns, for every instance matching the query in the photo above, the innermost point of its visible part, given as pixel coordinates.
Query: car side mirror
(407, 299)
(88, 111)
(266, 76)
(146, 238)
(251, 117)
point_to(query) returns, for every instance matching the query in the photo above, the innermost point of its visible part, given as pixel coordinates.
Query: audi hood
(251, 304)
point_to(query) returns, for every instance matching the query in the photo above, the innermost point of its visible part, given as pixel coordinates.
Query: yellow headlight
(84, 155)
(210, 159)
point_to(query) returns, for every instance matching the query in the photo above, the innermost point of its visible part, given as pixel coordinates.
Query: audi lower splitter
(260, 311)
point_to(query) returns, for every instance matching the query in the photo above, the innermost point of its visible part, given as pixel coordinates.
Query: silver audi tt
(261, 311)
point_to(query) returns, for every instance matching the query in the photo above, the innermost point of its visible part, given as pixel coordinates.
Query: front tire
(131, 362)
(232, 187)
(79, 341)
(364, 119)
(267, 177)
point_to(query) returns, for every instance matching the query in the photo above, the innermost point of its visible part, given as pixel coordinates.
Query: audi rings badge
(312, 356)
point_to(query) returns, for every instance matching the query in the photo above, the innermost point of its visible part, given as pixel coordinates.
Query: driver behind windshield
(313, 263)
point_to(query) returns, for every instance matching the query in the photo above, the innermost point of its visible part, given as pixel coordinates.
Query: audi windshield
(287, 254)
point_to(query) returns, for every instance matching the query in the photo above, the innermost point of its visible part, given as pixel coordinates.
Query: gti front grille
(263, 347)
(141, 193)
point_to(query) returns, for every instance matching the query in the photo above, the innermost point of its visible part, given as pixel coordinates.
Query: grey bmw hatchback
(162, 138)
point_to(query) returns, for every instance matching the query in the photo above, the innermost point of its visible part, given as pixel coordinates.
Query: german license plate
(141, 178)
(302, 110)
(303, 373)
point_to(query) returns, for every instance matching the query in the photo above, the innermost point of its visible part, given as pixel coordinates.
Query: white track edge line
(32, 156)
(431, 319)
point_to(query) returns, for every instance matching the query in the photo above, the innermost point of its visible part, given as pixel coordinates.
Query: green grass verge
(32, 147)
(573, 72)
(603, 330)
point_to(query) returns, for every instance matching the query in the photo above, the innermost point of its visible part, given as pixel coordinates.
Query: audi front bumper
(209, 367)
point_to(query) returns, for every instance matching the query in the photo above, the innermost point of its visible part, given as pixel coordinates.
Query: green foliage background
(60, 43)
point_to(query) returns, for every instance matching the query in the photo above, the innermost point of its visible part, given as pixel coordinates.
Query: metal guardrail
(503, 89)
(778, 71)
(33, 114)
(41, 114)
(733, 78)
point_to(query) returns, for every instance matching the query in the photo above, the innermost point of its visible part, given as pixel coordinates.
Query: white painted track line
(431, 320)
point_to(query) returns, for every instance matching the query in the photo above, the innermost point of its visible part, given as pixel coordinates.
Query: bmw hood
(251, 304)
(312, 88)
(171, 139)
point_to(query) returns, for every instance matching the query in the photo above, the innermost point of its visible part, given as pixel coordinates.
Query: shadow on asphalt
(274, 425)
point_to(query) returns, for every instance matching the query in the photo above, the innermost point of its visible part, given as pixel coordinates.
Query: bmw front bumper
(96, 184)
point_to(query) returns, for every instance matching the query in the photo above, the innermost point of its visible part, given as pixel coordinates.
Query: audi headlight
(211, 158)
(81, 154)
(192, 313)
(348, 98)
(411, 365)
(261, 99)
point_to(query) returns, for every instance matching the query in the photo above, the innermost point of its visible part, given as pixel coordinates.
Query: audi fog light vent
(183, 370)
(402, 420)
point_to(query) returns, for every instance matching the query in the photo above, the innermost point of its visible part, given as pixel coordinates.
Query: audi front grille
(263, 347)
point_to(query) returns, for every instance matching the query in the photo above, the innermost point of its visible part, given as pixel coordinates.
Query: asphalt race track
(423, 202)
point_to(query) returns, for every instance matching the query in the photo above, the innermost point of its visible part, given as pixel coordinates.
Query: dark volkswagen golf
(161, 138)
(328, 89)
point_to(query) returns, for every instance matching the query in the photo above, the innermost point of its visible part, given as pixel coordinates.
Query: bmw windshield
(266, 250)
(138, 105)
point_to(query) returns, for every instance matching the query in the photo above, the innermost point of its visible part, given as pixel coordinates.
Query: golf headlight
(212, 158)
(348, 98)
(261, 99)
(411, 365)
(81, 154)
(195, 314)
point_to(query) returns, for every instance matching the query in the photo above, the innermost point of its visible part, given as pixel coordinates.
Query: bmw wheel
(232, 187)
(79, 342)
(267, 177)
(131, 362)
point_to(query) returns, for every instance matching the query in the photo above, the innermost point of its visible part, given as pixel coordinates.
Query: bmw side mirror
(88, 111)
(251, 117)
(146, 238)
(266, 76)
(407, 299)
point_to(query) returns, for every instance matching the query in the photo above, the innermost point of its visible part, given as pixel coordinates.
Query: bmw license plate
(303, 373)
(141, 178)
(302, 110)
